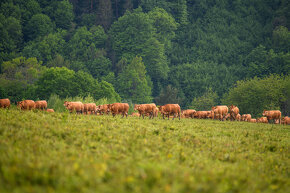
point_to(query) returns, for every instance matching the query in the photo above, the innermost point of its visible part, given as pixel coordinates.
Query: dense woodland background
(197, 53)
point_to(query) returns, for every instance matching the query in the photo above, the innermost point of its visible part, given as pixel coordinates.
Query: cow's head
(136, 107)
(109, 107)
(20, 104)
(65, 103)
(265, 113)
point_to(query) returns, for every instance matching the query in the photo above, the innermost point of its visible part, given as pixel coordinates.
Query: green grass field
(61, 152)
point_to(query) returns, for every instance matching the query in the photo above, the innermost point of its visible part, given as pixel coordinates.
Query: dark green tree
(134, 35)
(38, 26)
(10, 37)
(133, 83)
(47, 48)
(18, 77)
(63, 14)
(105, 14)
(281, 39)
(169, 95)
(58, 81)
(206, 101)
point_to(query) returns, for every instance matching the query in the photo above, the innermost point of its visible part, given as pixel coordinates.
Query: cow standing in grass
(26, 105)
(234, 111)
(246, 117)
(90, 108)
(170, 109)
(220, 112)
(78, 107)
(42, 105)
(273, 115)
(188, 113)
(145, 109)
(201, 114)
(262, 120)
(286, 120)
(4, 103)
(119, 108)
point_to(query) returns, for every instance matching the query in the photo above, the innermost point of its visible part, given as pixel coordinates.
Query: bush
(255, 95)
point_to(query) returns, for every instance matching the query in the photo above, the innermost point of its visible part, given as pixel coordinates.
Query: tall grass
(56, 103)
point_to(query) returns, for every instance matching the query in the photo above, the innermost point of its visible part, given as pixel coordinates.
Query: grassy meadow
(62, 152)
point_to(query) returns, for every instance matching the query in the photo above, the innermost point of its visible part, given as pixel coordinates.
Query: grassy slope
(73, 153)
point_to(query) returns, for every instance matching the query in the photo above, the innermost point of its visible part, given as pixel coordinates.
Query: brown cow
(201, 114)
(262, 120)
(42, 105)
(26, 104)
(238, 117)
(90, 108)
(74, 106)
(286, 120)
(4, 103)
(102, 109)
(169, 109)
(50, 110)
(220, 111)
(273, 114)
(188, 113)
(253, 121)
(246, 117)
(145, 109)
(210, 114)
(119, 108)
(234, 111)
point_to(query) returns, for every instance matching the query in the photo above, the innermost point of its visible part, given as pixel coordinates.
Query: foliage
(255, 95)
(262, 63)
(168, 95)
(21, 69)
(133, 84)
(56, 80)
(67, 83)
(99, 153)
(191, 45)
(206, 101)
(194, 79)
(281, 39)
(46, 49)
(62, 13)
(10, 37)
(134, 35)
(55, 103)
(38, 26)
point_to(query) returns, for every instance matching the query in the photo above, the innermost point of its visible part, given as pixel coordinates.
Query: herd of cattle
(220, 112)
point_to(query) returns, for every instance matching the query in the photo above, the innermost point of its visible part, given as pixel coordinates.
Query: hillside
(141, 51)
(63, 152)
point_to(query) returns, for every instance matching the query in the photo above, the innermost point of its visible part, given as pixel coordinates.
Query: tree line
(168, 51)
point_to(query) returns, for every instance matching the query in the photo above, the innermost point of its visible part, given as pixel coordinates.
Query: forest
(197, 53)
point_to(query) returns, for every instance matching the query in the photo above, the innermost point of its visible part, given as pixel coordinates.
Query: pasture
(62, 152)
